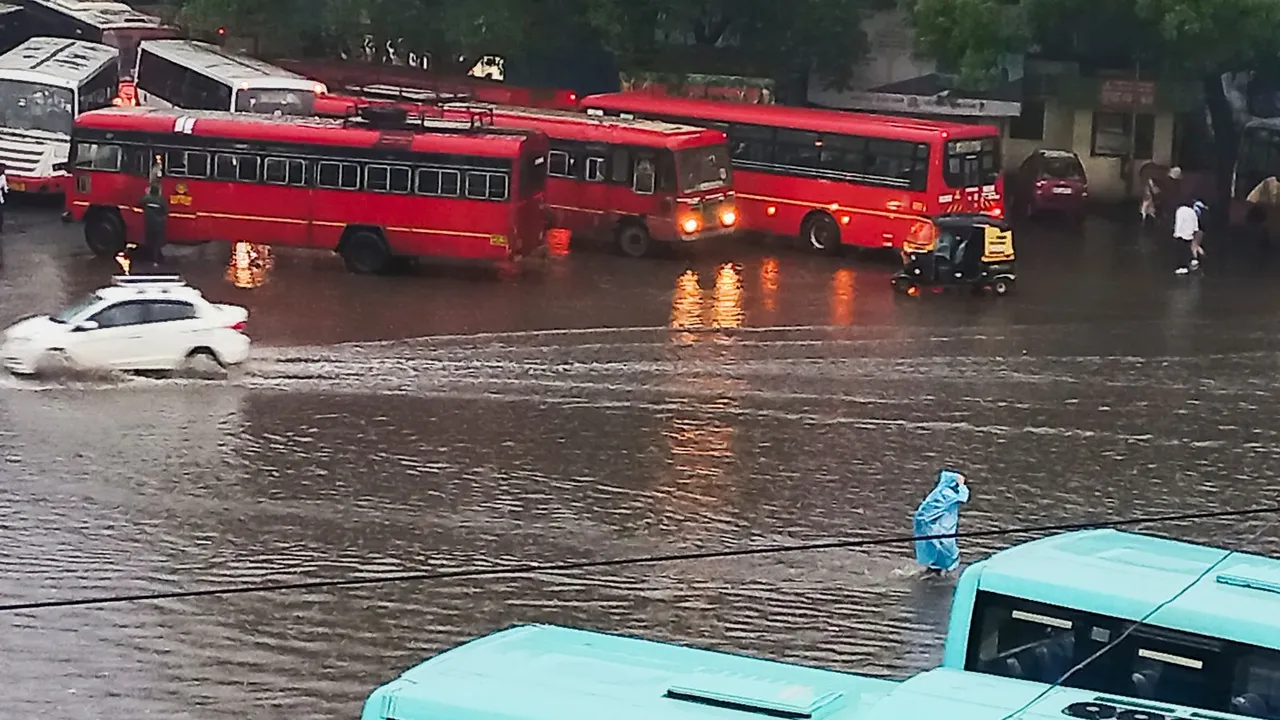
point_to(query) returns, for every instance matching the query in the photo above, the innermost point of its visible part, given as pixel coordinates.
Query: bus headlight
(728, 217)
(690, 225)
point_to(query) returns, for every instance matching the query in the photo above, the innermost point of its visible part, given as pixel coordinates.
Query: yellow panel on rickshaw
(997, 245)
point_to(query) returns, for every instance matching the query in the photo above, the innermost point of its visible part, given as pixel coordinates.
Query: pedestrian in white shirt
(4, 192)
(1186, 229)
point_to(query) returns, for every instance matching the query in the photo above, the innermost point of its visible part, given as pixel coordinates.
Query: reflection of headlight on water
(249, 265)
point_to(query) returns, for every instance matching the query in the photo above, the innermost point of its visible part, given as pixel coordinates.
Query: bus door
(180, 187)
(594, 192)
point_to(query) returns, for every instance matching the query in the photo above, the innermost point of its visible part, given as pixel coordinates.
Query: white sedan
(140, 323)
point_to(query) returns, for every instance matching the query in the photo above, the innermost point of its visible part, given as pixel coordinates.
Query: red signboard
(1128, 93)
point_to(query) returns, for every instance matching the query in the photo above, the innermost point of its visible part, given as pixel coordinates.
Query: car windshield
(36, 106)
(703, 168)
(76, 310)
(1062, 168)
(276, 102)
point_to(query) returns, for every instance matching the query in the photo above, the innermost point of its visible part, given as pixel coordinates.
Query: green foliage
(767, 36)
(1191, 37)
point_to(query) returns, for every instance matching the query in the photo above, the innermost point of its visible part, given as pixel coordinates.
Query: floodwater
(746, 394)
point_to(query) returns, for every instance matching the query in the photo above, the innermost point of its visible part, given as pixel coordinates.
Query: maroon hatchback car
(1052, 181)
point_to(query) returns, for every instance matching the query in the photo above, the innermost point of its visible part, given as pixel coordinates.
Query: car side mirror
(87, 325)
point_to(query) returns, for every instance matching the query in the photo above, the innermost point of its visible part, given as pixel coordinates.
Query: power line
(533, 568)
(1141, 621)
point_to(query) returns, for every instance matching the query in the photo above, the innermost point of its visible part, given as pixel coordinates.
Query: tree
(772, 38)
(1190, 39)
(777, 38)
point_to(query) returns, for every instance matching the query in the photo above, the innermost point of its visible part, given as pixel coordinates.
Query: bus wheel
(104, 233)
(364, 252)
(634, 241)
(821, 232)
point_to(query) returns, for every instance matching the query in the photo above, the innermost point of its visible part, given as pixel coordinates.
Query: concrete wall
(1069, 128)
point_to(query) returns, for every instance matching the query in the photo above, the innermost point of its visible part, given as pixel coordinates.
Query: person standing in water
(939, 514)
(155, 212)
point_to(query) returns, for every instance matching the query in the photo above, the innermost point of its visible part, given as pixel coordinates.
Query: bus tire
(104, 232)
(821, 232)
(364, 251)
(634, 240)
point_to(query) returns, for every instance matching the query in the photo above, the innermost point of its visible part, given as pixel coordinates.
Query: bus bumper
(53, 185)
(707, 234)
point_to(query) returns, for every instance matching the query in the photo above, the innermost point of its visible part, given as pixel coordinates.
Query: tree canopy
(761, 36)
(1192, 38)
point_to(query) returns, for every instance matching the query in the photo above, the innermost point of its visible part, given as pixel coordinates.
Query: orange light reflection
(769, 284)
(558, 242)
(842, 296)
(250, 265)
(726, 302)
(686, 303)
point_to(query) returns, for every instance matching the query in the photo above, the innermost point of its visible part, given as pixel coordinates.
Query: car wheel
(54, 361)
(202, 362)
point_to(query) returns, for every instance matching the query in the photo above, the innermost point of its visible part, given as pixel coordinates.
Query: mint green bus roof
(544, 672)
(1127, 575)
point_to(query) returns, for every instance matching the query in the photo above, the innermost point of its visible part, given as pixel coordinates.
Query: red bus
(837, 178)
(371, 189)
(630, 183)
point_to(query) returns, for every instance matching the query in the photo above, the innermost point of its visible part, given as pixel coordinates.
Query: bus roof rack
(147, 280)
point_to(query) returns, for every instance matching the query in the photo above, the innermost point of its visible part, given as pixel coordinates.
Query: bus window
(971, 163)
(275, 102)
(35, 106)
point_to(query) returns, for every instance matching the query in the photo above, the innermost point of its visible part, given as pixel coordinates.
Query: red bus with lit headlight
(629, 183)
(194, 75)
(372, 189)
(837, 178)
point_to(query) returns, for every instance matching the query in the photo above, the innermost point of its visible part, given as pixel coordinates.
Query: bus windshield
(126, 42)
(971, 163)
(1018, 638)
(1258, 159)
(703, 168)
(276, 102)
(36, 106)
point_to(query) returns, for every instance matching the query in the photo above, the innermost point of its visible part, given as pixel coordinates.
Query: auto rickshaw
(959, 250)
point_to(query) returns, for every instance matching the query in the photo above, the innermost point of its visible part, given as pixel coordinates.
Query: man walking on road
(1187, 232)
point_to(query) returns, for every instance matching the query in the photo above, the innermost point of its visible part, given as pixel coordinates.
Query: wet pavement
(741, 395)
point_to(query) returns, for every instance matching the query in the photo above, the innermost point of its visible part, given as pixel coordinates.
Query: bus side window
(752, 143)
(175, 163)
(197, 164)
(136, 161)
(560, 164)
(595, 169)
(224, 167)
(646, 176)
(666, 171)
(621, 166)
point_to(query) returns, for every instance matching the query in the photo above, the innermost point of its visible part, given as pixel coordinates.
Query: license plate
(18, 187)
(1062, 191)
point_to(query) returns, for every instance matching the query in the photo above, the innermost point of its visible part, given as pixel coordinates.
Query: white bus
(44, 84)
(194, 75)
(110, 23)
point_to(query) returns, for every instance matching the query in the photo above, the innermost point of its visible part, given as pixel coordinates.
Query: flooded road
(743, 395)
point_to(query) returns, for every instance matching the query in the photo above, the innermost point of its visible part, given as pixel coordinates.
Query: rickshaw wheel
(1001, 287)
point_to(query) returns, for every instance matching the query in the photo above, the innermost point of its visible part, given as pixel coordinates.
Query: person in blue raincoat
(939, 514)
